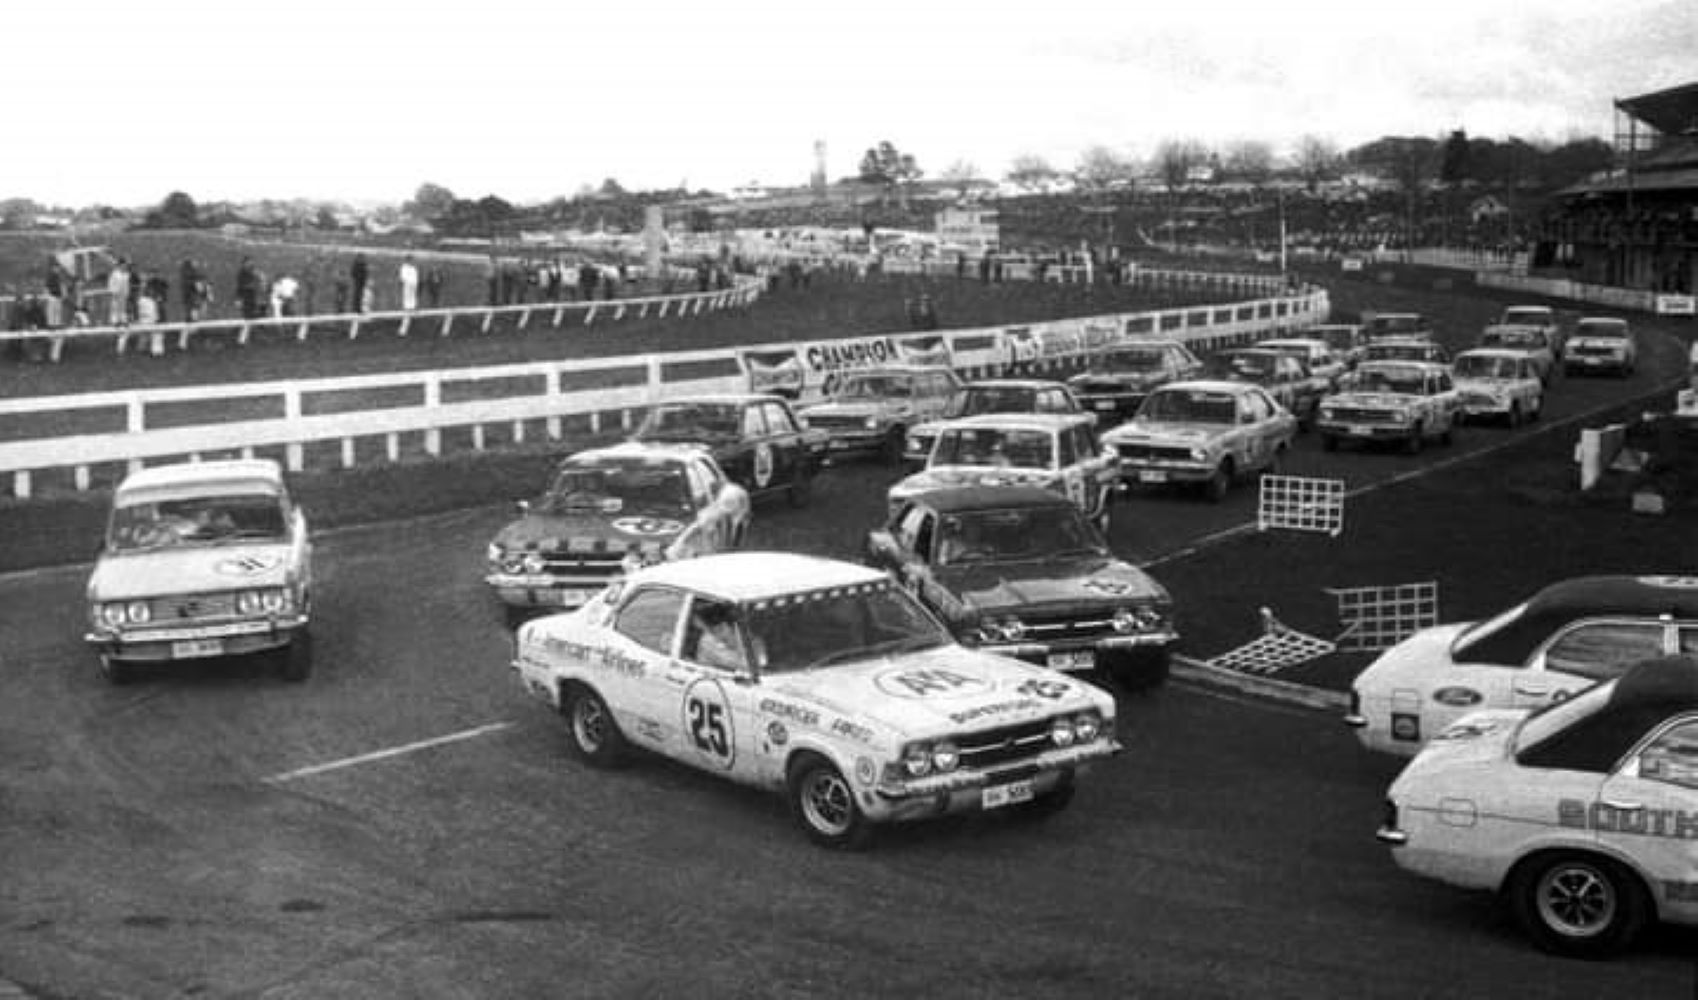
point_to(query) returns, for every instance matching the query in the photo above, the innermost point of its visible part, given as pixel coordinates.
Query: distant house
(1486, 208)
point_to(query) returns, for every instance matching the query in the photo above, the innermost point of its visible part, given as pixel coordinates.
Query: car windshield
(983, 536)
(197, 521)
(1533, 316)
(691, 420)
(1512, 338)
(994, 399)
(1399, 380)
(999, 446)
(1616, 331)
(1382, 325)
(1485, 366)
(1138, 359)
(1192, 406)
(618, 486)
(1243, 367)
(1559, 716)
(838, 625)
(875, 387)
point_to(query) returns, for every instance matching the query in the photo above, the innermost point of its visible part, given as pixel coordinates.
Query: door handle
(1534, 692)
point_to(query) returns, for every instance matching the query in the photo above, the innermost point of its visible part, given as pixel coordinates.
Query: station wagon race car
(607, 512)
(1583, 815)
(1206, 433)
(1409, 402)
(1019, 571)
(1532, 341)
(756, 439)
(1001, 395)
(821, 679)
(1600, 344)
(1548, 648)
(1058, 452)
(202, 560)
(1497, 384)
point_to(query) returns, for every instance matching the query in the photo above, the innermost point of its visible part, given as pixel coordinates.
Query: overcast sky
(121, 102)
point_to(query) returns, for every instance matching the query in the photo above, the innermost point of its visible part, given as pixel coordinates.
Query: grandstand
(1636, 226)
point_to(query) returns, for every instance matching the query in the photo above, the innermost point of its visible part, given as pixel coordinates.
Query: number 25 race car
(821, 679)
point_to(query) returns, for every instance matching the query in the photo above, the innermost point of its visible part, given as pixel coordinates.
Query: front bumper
(1483, 406)
(1366, 432)
(966, 791)
(1080, 654)
(1141, 472)
(847, 442)
(162, 643)
(527, 590)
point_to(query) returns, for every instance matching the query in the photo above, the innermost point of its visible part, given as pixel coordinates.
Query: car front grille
(1004, 745)
(826, 422)
(1357, 415)
(1155, 452)
(192, 608)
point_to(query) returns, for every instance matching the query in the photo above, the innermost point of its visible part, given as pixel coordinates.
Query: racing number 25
(707, 726)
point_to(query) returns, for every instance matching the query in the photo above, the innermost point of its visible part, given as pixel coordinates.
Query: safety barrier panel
(1278, 647)
(1301, 504)
(1378, 618)
(1596, 450)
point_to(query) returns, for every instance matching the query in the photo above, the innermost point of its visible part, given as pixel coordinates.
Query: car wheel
(1514, 417)
(1579, 905)
(801, 489)
(823, 804)
(892, 449)
(115, 671)
(595, 737)
(1219, 483)
(294, 663)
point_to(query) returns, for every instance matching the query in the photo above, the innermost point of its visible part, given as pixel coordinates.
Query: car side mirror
(523, 506)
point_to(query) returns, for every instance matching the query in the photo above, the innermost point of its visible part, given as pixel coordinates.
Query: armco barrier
(134, 426)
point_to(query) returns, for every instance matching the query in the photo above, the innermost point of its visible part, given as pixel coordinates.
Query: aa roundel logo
(763, 464)
(251, 564)
(937, 682)
(647, 526)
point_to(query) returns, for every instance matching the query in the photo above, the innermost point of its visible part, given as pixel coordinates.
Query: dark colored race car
(1116, 380)
(1285, 376)
(756, 438)
(1019, 570)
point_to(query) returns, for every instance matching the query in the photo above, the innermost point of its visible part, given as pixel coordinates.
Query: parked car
(823, 680)
(1058, 452)
(607, 512)
(1205, 433)
(1397, 324)
(1021, 572)
(1347, 340)
(1532, 341)
(202, 560)
(1404, 402)
(1601, 344)
(1001, 395)
(1116, 379)
(756, 439)
(1284, 375)
(871, 409)
(1545, 649)
(1496, 384)
(1316, 354)
(1582, 815)
(1403, 349)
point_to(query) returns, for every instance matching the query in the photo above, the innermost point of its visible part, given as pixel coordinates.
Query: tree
(1316, 160)
(177, 211)
(1102, 169)
(1250, 161)
(1453, 161)
(1030, 172)
(611, 188)
(895, 170)
(960, 172)
(430, 202)
(1176, 158)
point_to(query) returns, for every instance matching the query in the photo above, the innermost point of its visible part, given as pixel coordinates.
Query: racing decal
(866, 772)
(995, 708)
(795, 713)
(250, 564)
(776, 734)
(648, 526)
(1674, 824)
(763, 465)
(925, 351)
(649, 729)
(1107, 585)
(1039, 688)
(1457, 697)
(596, 656)
(934, 682)
(852, 730)
(708, 723)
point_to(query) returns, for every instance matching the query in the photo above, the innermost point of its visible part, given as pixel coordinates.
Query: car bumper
(161, 644)
(1366, 432)
(535, 591)
(1081, 655)
(978, 791)
(1486, 407)
(853, 442)
(1136, 473)
(1594, 363)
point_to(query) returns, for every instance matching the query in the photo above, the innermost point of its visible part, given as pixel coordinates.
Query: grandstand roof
(1672, 112)
(1641, 181)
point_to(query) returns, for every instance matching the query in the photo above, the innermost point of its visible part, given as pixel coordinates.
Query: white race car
(1583, 815)
(821, 679)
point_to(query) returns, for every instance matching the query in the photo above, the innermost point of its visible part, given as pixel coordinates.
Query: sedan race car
(1408, 402)
(1583, 815)
(1397, 324)
(821, 679)
(756, 440)
(1203, 433)
(1495, 384)
(1019, 571)
(1532, 341)
(870, 410)
(1316, 354)
(202, 560)
(1001, 395)
(1285, 376)
(1117, 379)
(610, 511)
(1055, 451)
(1600, 344)
(1546, 649)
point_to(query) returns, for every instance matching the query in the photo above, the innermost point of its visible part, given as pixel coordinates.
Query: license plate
(188, 648)
(1357, 430)
(1104, 404)
(1152, 476)
(1077, 659)
(837, 445)
(575, 596)
(1591, 361)
(997, 796)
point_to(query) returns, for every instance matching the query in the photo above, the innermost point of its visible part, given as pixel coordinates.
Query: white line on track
(376, 755)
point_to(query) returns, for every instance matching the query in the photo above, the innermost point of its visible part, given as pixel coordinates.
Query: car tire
(1578, 905)
(294, 661)
(116, 671)
(801, 490)
(822, 802)
(591, 731)
(1514, 417)
(1220, 483)
(891, 451)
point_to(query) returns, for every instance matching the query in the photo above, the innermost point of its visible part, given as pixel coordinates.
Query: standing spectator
(359, 274)
(409, 276)
(188, 277)
(925, 314)
(492, 276)
(247, 289)
(118, 294)
(55, 299)
(159, 287)
(587, 275)
(368, 298)
(340, 294)
(434, 279)
(283, 292)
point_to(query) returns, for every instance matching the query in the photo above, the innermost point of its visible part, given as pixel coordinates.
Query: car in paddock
(823, 680)
(870, 410)
(1205, 433)
(1020, 571)
(756, 439)
(1057, 452)
(1582, 815)
(1529, 340)
(1601, 344)
(1413, 325)
(1403, 349)
(610, 511)
(1000, 395)
(1285, 376)
(1400, 402)
(1546, 649)
(202, 560)
(1117, 379)
(1495, 384)
(1316, 354)
(1347, 340)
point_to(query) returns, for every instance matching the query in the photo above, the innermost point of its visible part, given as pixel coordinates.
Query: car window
(1255, 408)
(1603, 649)
(1065, 455)
(1689, 640)
(778, 419)
(754, 423)
(909, 525)
(1672, 757)
(711, 635)
(650, 618)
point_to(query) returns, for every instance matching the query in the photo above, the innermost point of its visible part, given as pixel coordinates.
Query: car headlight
(494, 553)
(112, 614)
(917, 759)
(945, 757)
(914, 445)
(248, 602)
(1327, 413)
(533, 562)
(1062, 733)
(1125, 620)
(1199, 454)
(275, 601)
(1087, 726)
(138, 612)
(871, 423)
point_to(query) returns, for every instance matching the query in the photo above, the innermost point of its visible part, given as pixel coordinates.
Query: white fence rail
(39, 434)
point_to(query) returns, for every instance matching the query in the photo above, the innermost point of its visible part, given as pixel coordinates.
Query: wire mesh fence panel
(1301, 504)
(1377, 618)
(1279, 647)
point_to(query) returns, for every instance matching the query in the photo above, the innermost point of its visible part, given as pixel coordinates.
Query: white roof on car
(247, 475)
(1022, 421)
(757, 576)
(1209, 385)
(648, 450)
(1482, 352)
(1294, 342)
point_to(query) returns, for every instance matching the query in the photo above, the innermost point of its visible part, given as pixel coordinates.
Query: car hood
(1182, 431)
(589, 531)
(939, 691)
(189, 570)
(1373, 400)
(860, 410)
(1427, 650)
(1036, 585)
(945, 476)
(1114, 380)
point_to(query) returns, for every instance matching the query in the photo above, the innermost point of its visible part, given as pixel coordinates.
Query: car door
(1099, 470)
(1255, 428)
(1064, 461)
(633, 671)
(755, 458)
(715, 695)
(1647, 810)
(785, 441)
(1583, 653)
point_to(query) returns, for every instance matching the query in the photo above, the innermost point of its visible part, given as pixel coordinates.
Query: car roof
(1610, 320)
(645, 450)
(1491, 352)
(1293, 342)
(1400, 315)
(1016, 383)
(745, 577)
(955, 499)
(1645, 695)
(1585, 597)
(1529, 309)
(1262, 349)
(1513, 328)
(1024, 421)
(1209, 385)
(184, 479)
(720, 398)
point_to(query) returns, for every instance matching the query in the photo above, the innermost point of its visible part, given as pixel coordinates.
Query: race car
(1495, 384)
(1118, 378)
(1601, 344)
(870, 410)
(755, 438)
(609, 511)
(1582, 815)
(820, 679)
(1404, 402)
(1285, 375)
(1059, 452)
(1205, 433)
(1533, 341)
(999, 395)
(1546, 649)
